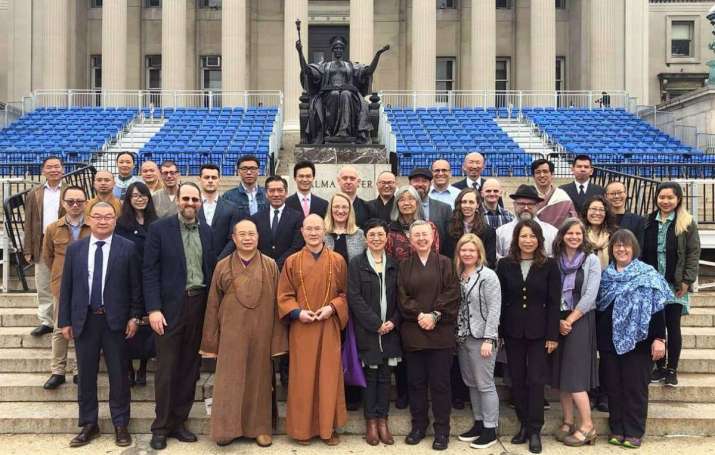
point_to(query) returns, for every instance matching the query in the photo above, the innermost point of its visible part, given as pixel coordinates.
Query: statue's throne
(373, 116)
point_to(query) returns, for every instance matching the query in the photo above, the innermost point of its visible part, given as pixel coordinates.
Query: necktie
(274, 223)
(306, 207)
(475, 185)
(95, 299)
(581, 191)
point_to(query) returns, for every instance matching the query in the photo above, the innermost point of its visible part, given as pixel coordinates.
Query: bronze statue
(338, 112)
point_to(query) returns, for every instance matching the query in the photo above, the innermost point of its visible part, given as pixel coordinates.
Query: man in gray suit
(435, 211)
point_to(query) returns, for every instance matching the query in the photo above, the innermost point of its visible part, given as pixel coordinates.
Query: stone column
(636, 52)
(174, 43)
(234, 56)
(424, 48)
(114, 45)
(483, 44)
(543, 47)
(19, 75)
(293, 9)
(57, 58)
(361, 31)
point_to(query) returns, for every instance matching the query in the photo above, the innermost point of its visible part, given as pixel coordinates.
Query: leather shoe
(183, 435)
(55, 381)
(264, 440)
(122, 436)
(521, 437)
(141, 377)
(89, 432)
(75, 379)
(40, 330)
(371, 435)
(414, 437)
(158, 441)
(440, 442)
(384, 431)
(535, 443)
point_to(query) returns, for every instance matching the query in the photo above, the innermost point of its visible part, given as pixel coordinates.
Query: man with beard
(165, 198)
(525, 200)
(435, 211)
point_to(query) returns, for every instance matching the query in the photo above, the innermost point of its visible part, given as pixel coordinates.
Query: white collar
(93, 240)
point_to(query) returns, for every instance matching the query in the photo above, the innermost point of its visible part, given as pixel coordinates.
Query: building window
(503, 4)
(210, 4)
(95, 3)
(502, 83)
(95, 72)
(560, 74)
(445, 73)
(681, 39)
(153, 72)
(560, 4)
(211, 77)
(152, 3)
(446, 4)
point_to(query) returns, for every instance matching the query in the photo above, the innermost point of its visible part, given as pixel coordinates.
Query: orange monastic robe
(316, 398)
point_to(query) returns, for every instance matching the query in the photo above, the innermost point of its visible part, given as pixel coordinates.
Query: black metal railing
(663, 171)
(14, 212)
(640, 191)
(32, 171)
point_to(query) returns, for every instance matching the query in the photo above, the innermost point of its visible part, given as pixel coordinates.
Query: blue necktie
(274, 223)
(95, 299)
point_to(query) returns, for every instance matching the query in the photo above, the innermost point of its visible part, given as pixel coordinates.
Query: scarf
(570, 277)
(599, 240)
(383, 287)
(636, 293)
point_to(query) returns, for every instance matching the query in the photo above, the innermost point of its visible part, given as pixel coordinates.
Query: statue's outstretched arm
(376, 59)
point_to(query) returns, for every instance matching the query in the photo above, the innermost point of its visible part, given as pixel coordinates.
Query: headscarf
(636, 293)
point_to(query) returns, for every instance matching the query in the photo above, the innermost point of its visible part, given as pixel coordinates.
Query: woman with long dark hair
(467, 218)
(671, 245)
(137, 214)
(531, 300)
(600, 222)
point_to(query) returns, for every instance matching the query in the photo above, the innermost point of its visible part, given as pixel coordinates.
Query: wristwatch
(436, 315)
(489, 341)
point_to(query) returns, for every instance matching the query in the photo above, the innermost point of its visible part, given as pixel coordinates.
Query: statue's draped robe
(242, 326)
(316, 397)
(337, 105)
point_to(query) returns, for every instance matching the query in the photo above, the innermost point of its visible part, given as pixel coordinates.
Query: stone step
(697, 361)
(18, 300)
(54, 417)
(702, 299)
(699, 317)
(698, 337)
(18, 317)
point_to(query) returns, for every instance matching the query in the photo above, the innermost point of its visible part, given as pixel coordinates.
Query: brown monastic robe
(316, 397)
(242, 326)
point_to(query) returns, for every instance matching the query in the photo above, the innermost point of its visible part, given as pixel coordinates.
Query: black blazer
(122, 286)
(488, 238)
(364, 296)
(136, 233)
(318, 205)
(165, 267)
(379, 210)
(635, 224)
(578, 201)
(462, 184)
(530, 309)
(362, 212)
(225, 218)
(287, 241)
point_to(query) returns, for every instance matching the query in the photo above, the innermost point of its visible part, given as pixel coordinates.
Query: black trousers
(459, 389)
(377, 393)
(528, 371)
(179, 367)
(430, 368)
(401, 379)
(673, 312)
(96, 336)
(627, 378)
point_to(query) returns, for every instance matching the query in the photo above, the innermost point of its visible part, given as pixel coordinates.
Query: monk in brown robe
(242, 329)
(311, 295)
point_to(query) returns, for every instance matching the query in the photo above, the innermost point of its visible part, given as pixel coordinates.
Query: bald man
(441, 190)
(381, 206)
(493, 207)
(150, 175)
(104, 191)
(473, 166)
(349, 182)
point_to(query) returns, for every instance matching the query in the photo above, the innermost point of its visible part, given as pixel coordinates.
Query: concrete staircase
(530, 140)
(25, 407)
(138, 133)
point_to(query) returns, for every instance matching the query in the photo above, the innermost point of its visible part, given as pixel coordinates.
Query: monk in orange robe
(311, 295)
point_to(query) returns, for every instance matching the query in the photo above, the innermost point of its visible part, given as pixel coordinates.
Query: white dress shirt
(209, 210)
(273, 212)
(50, 205)
(585, 186)
(105, 261)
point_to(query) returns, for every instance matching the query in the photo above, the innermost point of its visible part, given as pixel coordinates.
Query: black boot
(473, 433)
(535, 443)
(521, 437)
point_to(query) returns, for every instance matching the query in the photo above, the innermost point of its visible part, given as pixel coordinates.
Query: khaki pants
(59, 348)
(44, 296)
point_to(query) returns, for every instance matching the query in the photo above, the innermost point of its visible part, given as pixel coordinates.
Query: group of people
(430, 281)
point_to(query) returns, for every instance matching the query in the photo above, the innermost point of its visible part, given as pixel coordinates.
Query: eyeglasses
(248, 168)
(193, 200)
(440, 171)
(139, 196)
(102, 218)
(376, 235)
(76, 202)
(526, 204)
(616, 194)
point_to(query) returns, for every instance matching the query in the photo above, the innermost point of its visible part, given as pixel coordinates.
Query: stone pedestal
(341, 154)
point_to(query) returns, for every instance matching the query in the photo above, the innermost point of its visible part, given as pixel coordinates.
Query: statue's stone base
(341, 153)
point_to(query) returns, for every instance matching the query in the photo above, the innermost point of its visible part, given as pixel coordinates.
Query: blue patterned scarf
(636, 293)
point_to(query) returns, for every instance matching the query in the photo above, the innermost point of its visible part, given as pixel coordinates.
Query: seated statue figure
(337, 88)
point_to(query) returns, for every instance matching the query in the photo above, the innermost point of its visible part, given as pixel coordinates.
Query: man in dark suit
(381, 206)
(178, 263)
(435, 211)
(581, 189)
(278, 225)
(303, 200)
(218, 213)
(100, 303)
(348, 182)
(473, 166)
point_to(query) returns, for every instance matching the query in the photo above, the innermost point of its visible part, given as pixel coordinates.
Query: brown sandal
(560, 434)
